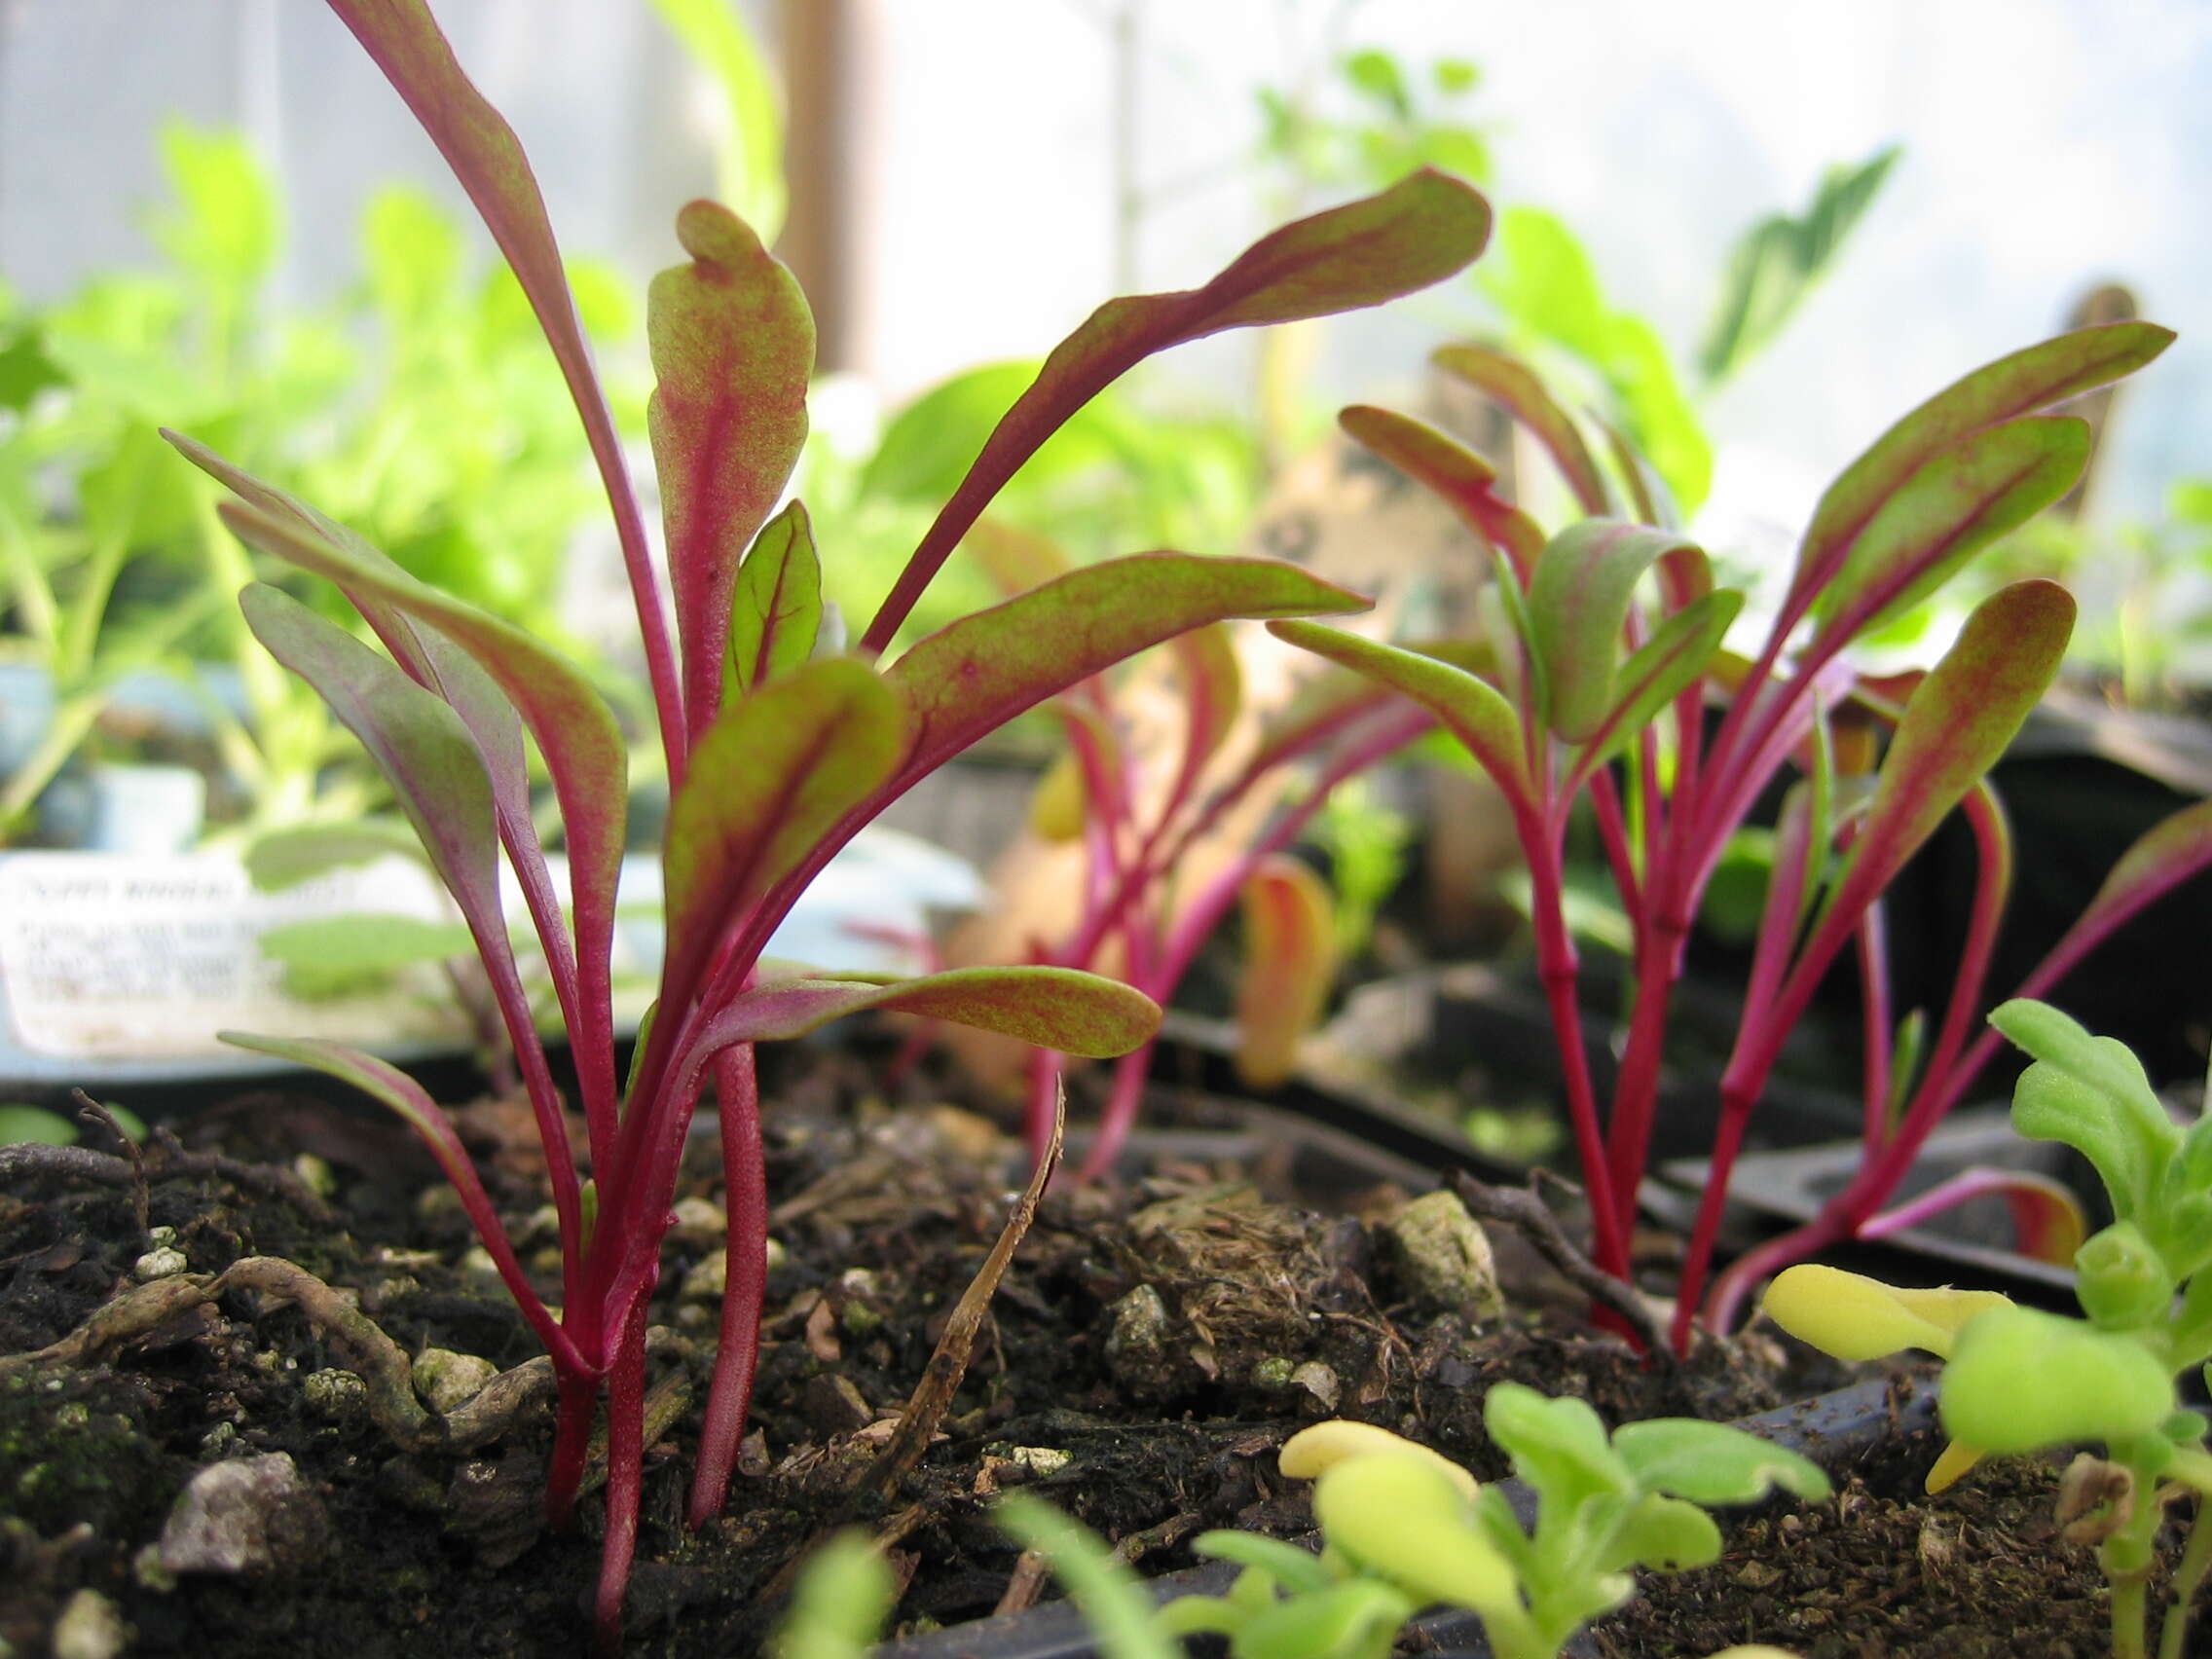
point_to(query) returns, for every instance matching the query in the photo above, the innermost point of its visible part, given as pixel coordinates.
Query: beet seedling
(1608, 660)
(776, 755)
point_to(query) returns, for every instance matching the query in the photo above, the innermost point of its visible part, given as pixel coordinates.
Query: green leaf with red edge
(1956, 727)
(1664, 667)
(417, 741)
(1515, 388)
(1290, 961)
(574, 726)
(732, 351)
(1579, 602)
(1964, 498)
(775, 612)
(980, 672)
(1062, 1009)
(487, 160)
(1461, 477)
(1404, 238)
(2169, 853)
(2012, 385)
(767, 781)
(388, 1084)
(1472, 710)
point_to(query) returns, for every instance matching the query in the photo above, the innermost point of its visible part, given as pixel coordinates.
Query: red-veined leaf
(776, 610)
(1665, 666)
(767, 781)
(2169, 853)
(1290, 960)
(487, 160)
(1472, 710)
(2016, 385)
(1577, 602)
(1418, 232)
(1513, 386)
(1955, 727)
(1453, 471)
(387, 1084)
(574, 726)
(1213, 691)
(732, 351)
(1017, 559)
(980, 672)
(1961, 500)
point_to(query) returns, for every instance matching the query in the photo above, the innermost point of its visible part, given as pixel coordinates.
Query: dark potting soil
(1149, 1417)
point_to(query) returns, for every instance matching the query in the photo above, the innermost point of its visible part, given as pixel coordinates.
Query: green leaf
(1417, 232)
(749, 158)
(1665, 665)
(414, 254)
(1289, 964)
(766, 781)
(732, 348)
(1290, 1566)
(1543, 280)
(1471, 709)
(1662, 1533)
(2087, 1384)
(2012, 387)
(1516, 388)
(843, 1595)
(1778, 260)
(776, 610)
(1461, 477)
(1353, 1618)
(1403, 1519)
(284, 858)
(1376, 73)
(336, 956)
(1117, 1611)
(34, 1125)
(2091, 1093)
(1579, 602)
(1712, 1463)
(230, 227)
(1962, 499)
(1955, 726)
(1660, 415)
(980, 672)
(1558, 1446)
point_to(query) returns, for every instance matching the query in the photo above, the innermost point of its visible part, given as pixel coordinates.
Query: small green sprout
(2020, 1380)
(1405, 1529)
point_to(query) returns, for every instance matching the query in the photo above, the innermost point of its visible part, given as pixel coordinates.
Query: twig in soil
(933, 1395)
(1023, 1585)
(106, 1169)
(381, 1363)
(1530, 1216)
(117, 1323)
(95, 1111)
(254, 1177)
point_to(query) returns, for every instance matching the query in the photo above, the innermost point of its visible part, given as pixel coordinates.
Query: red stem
(1120, 1115)
(625, 1471)
(745, 1260)
(1876, 1024)
(578, 1396)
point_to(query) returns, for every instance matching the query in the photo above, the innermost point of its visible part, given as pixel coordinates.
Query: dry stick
(93, 1112)
(1530, 1216)
(106, 1169)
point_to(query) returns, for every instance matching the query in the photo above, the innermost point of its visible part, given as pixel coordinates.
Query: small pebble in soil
(90, 1627)
(1443, 1258)
(338, 1395)
(245, 1516)
(447, 1381)
(161, 1263)
(708, 1278)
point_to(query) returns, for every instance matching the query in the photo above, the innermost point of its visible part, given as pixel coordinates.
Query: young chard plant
(2017, 1379)
(776, 755)
(1404, 1527)
(1608, 660)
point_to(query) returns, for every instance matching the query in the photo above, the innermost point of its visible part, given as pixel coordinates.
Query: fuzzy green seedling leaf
(1319, 1447)
(1352, 1620)
(1290, 1566)
(766, 781)
(1467, 483)
(2091, 1094)
(2013, 385)
(2121, 1279)
(1857, 1318)
(1578, 600)
(2021, 1380)
(1418, 232)
(1511, 384)
(1114, 1607)
(1472, 710)
(1958, 503)
(331, 956)
(732, 351)
(1558, 1446)
(843, 1595)
(285, 858)
(1405, 1521)
(1290, 962)
(1663, 1533)
(1710, 1463)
